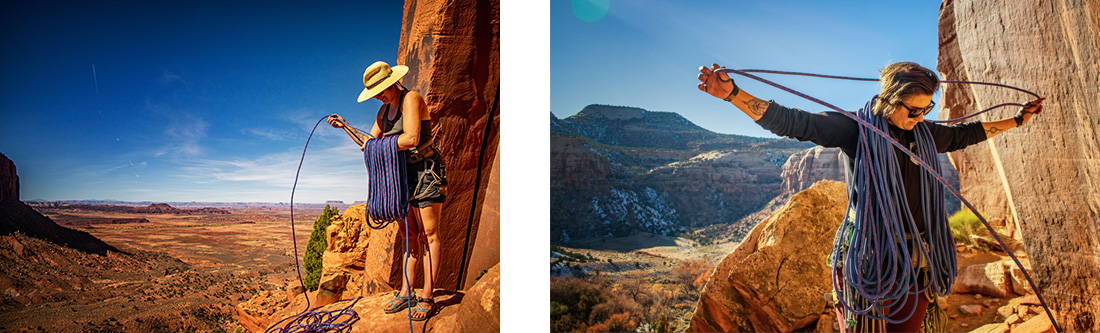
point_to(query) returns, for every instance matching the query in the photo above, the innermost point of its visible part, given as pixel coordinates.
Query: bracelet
(733, 92)
(1019, 118)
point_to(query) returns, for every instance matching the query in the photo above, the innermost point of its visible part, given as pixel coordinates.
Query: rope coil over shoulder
(875, 271)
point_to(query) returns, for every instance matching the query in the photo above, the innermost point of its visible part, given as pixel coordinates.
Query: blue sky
(646, 53)
(188, 101)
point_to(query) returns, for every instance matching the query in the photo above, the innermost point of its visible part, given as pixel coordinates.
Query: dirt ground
(181, 272)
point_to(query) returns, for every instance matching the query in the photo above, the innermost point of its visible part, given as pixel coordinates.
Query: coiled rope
(868, 280)
(341, 320)
(871, 252)
(388, 189)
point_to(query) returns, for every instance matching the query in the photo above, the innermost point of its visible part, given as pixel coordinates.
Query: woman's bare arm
(339, 122)
(993, 128)
(410, 120)
(719, 84)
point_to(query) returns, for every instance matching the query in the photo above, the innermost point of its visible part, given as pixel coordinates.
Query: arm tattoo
(993, 130)
(756, 107)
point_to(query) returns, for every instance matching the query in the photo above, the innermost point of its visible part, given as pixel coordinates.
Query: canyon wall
(1043, 178)
(452, 49)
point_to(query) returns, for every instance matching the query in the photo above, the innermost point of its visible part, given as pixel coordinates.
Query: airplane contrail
(95, 80)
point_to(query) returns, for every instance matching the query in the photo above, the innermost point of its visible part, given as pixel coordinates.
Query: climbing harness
(877, 269)
(389, 177)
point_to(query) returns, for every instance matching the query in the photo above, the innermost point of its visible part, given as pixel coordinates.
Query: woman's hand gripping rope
(336, 121)
(717, 83)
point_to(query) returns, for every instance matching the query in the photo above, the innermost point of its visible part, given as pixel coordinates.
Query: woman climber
(887, 280)
(403, 113)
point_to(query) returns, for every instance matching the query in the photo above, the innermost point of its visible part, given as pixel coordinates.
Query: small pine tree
(316, 248)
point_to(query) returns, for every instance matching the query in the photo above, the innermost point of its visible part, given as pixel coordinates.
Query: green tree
(317, 245)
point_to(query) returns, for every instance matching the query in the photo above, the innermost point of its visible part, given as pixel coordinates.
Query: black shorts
(427, 181)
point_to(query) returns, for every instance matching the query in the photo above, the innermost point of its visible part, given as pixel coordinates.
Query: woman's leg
(414, 250)
(413, 254)
(915, 321)
(429, 217)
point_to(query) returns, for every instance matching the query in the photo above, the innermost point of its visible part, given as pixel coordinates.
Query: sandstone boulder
(987, 279)
(253, 314)
(480, 308)
(971, 309)
(1037, 324)
(775, 279)
(1042, 178)
(992, 328)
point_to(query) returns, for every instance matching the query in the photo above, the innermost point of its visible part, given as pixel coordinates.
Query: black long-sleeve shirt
(832, 129)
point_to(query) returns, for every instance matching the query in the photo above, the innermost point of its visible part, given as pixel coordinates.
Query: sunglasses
(917, 112)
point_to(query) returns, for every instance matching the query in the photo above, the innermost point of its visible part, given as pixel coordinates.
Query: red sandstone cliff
(452, 49)
(1043, 178)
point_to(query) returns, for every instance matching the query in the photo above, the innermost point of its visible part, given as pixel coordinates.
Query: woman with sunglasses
(904, 99)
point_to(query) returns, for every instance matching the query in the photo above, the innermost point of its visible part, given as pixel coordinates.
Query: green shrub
(317, 245)
(963, 224)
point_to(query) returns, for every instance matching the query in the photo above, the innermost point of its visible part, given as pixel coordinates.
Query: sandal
(398, 303)
(419, 308)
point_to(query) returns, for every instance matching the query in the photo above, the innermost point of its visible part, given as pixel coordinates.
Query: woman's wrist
(733, 93)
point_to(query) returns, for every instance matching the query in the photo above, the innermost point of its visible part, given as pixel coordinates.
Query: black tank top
(395, 126)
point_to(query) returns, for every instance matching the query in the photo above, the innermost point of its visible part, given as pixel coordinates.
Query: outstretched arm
(993, 128)
(719, 84)
(828, 129)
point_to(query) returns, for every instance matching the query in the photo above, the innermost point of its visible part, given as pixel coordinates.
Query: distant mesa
(9, 180)
(617, 170)
(156, 208)
(15, 216)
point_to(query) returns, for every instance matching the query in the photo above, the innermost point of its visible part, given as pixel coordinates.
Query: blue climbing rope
(313, 319)
(386, 171)
(873, 260)
(388, 189)
(388, 194)
(871, 251)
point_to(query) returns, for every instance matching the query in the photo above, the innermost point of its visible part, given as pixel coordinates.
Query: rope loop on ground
(386, 167)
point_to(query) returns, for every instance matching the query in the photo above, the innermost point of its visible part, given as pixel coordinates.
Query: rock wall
(9, 179)
(776, 279)
(485, 252)
(452, 49)
(809, 166)
(1043, 178)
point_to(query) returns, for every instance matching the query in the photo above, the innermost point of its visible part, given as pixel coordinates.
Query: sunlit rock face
(1043, 178)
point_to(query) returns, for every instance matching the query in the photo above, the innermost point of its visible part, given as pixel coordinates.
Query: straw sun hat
(380, 76)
